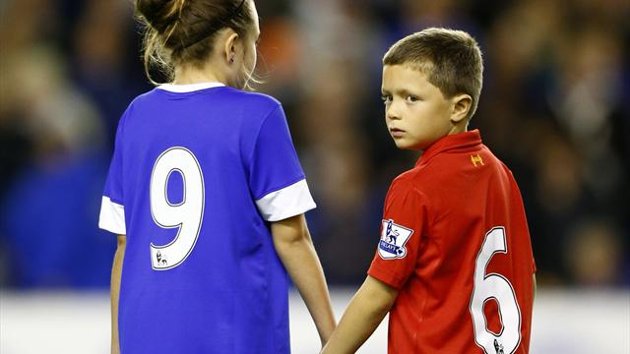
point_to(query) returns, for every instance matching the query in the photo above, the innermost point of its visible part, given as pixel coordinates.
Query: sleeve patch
(393, 240)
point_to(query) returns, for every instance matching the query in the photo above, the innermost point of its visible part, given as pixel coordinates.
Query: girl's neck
(193, 75)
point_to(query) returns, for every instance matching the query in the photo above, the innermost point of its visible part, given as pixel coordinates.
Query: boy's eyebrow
(399, 92)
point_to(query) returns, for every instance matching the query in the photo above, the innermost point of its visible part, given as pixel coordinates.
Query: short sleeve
(112, 215)
(276, 177)
(402, 227)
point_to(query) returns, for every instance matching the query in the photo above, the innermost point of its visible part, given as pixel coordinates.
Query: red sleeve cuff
(386, 277)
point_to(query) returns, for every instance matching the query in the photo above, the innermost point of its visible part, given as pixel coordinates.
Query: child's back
(470, 202)
(454, 264)
(207, 196)
(209, 154)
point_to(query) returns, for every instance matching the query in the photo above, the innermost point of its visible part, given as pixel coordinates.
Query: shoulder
(254, 100)
(138, 104)
(406, 195)
(145, 99)
(251, 105)
(411, 179)
(499, 166)
(257, 97)
(231, 94)
(407, 183)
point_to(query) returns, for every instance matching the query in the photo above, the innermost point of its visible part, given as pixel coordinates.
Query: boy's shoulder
(435, 173)
(408, 181)
(418, 176)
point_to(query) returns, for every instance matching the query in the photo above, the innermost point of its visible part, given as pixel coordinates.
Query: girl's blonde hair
(183, 31)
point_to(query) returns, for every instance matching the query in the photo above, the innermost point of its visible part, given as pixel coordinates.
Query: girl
(207, 195)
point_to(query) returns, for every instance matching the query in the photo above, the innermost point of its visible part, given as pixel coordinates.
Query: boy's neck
(458, 128)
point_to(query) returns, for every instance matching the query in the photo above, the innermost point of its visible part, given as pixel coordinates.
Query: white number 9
(186, 216)
(494, 286)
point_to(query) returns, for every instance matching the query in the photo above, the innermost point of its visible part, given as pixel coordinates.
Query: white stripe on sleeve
(287, 202)
(112, 217)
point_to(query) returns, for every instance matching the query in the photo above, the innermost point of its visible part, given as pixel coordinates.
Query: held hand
(367, 309)
(324, 337)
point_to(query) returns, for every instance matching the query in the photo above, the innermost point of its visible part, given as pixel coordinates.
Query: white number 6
(186, 216)
(497, 287)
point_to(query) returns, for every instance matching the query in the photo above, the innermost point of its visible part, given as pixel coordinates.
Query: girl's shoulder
(216, 99)
(255, 99)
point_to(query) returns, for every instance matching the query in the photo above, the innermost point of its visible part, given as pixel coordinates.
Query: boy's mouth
(396, 133)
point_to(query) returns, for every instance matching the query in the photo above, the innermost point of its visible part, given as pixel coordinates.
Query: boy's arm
(366, 311)
(295, 248)
(115, 291)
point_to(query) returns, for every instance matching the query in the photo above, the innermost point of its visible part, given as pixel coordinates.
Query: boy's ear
(462, 104)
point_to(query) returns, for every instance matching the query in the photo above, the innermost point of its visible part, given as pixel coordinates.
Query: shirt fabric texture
(230, 293)
(437, 217)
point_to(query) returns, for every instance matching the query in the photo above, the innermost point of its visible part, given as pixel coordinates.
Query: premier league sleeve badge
(393, 240)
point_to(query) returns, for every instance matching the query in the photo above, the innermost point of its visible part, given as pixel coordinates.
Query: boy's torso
(474, 257)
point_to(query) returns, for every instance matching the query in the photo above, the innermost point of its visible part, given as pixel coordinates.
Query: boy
(454, 266)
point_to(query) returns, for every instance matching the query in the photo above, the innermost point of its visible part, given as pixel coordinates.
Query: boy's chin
(402, 146)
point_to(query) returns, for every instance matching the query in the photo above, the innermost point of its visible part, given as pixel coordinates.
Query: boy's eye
(386, 98)
(411, 98)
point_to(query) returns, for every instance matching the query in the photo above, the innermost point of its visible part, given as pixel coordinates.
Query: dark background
(555, 107)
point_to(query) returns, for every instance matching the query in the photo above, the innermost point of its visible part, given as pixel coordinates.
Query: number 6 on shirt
(186, 215)
(494, 286)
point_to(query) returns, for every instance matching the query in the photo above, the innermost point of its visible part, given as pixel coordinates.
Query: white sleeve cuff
(287, 202)
(112, 217)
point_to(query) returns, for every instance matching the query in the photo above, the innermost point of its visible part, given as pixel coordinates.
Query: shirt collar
(189, 87)
(465, 140)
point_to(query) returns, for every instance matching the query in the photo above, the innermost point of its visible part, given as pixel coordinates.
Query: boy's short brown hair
(451, 59)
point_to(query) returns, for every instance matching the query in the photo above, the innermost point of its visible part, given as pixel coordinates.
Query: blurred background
(555, 107)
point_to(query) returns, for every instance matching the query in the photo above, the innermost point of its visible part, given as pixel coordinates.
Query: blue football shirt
(197, 174)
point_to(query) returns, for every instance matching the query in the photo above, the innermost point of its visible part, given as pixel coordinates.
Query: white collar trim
(189, 87)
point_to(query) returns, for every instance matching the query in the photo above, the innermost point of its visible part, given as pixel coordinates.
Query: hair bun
(160, 14)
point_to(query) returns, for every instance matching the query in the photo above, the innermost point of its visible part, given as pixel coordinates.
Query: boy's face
(416, 112)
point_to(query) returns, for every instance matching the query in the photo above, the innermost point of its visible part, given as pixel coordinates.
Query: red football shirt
(456, 245)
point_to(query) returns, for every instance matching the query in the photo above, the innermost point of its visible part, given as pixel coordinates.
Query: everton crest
(393, 240)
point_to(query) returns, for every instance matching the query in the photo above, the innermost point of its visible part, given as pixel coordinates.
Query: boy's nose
(392, 113)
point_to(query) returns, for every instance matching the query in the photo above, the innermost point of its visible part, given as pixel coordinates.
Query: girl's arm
(115, 291)
(293, 243)
(367, 309)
